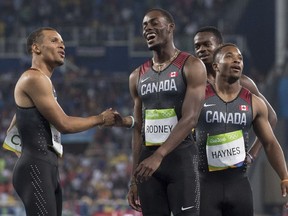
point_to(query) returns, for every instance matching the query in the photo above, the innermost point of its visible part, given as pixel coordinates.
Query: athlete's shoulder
(259, 105)
(31, 77)
(209, 92)
(140, 70)
(249, 84)
(245, 94)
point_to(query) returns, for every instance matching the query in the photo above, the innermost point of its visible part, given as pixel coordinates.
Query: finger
(132, 202)
(284, 190)
(138, 173)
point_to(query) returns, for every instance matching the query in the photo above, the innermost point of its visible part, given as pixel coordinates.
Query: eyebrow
(151, 20)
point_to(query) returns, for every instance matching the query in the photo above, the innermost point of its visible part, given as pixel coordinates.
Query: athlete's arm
(35, 89)
(196, 77)
(272, 116)
(132, 196)
(127, 121)
(270, 143)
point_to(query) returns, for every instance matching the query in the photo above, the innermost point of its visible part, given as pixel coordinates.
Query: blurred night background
(104, 44)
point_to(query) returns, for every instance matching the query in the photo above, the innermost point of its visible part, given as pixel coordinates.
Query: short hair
(35, 37)
(214, 31)
(218, 50)
(165, 13)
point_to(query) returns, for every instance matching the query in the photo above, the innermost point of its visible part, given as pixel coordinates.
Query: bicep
(133, 80)
(196, 77)
(261, 125)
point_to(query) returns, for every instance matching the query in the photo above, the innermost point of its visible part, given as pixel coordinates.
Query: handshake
(111, 117)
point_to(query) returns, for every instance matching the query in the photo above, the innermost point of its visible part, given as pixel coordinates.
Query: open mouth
(150, 37)
(62, 54)
(236, 68)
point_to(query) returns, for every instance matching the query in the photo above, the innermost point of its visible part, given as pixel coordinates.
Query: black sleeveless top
(165, 89)
(218, 117)
(34, 130)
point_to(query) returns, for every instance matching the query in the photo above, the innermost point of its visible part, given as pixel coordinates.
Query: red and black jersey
(218, 117)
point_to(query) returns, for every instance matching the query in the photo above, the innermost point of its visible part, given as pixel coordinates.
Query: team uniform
(36, 176)
(174, 186)
(222, 138)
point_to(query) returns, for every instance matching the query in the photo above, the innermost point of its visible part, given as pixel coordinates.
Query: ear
(215, 67)
(171, 27)
(35, 48)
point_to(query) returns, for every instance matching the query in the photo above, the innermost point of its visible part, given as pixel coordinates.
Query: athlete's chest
(236, 112)
(168, 82)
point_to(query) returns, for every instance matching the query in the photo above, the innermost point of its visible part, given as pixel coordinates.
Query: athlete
(39, 121)
(168, 92)
(222, 134)
(206, 40)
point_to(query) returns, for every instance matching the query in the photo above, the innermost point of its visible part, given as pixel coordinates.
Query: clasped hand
(110, 117)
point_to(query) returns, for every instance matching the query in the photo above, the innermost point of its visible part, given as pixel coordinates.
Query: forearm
(136, 150)
(276, 159)
(79, 124)
(255, 148)
(128, 122)
(178, 134)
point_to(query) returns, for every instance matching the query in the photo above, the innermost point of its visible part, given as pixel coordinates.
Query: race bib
(12, 141)
(225, 150)
(158, 125)
(56, 140)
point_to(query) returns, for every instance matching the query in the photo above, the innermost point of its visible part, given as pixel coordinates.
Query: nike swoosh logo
(186, 208)
(143, 80)
(209, 105)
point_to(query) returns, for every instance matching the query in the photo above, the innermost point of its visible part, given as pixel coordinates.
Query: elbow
(64, 128)
(192, 123)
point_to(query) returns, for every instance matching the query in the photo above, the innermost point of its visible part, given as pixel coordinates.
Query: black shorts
(36, 181)
(174, 187)
(225, 193)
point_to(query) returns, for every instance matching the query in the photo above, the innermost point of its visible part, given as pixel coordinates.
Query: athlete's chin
(152, 46)
(233, 79)
(60, 63)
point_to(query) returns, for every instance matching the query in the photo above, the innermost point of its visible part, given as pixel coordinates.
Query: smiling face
(228, 63)
(50, 48)
(205, 43)
(156, 29)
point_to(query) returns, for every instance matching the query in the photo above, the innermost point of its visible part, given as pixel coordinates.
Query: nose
(237, 60)
(201, 49)
(62, 45)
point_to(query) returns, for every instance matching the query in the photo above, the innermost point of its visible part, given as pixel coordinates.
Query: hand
(284, 188)
(127, 121)
(249, 159)
(119, 120)
(133, 198)
(147, 167)
(108, 117)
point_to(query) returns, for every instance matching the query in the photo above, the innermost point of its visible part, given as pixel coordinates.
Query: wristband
(284, 180)
(133, 122)
(251, 157)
